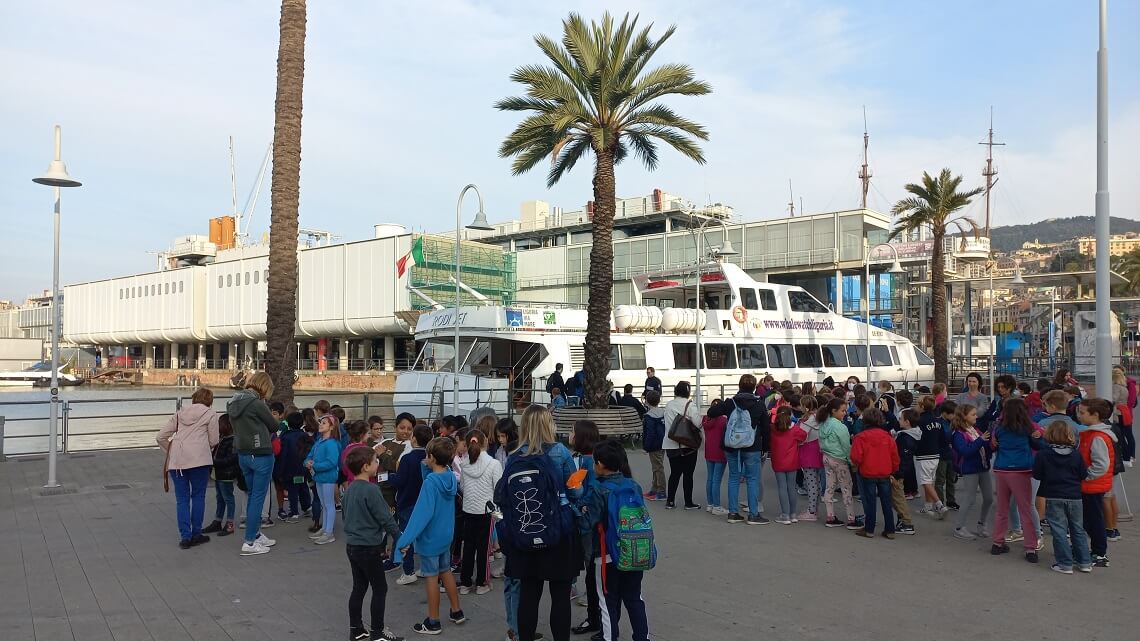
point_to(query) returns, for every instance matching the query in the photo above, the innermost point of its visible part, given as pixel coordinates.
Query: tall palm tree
(281, 308)
(598, 97)
(935, 204)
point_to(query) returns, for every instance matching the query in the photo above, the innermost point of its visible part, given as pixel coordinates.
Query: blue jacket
(1048, 419)
(970, 457)
(653, 429)
(1014, 451)
(325, 456)
(408, 479)
(1060, 469)
(432, 524)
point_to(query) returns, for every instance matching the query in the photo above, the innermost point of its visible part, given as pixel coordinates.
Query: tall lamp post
(1103, 276)
(725, 249)
(56, 177)
(896, 268)
(479, 224)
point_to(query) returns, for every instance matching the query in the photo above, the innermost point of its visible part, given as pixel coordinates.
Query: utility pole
(1103, 284)
(865, 172)
(990, 171)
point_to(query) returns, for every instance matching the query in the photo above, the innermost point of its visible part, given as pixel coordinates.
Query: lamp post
(725, 249)
(896, 268)
(56, 177)
(479, 224)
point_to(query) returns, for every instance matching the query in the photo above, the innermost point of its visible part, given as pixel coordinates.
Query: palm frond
(674, 139)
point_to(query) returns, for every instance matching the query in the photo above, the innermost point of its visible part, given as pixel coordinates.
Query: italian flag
(416, 254)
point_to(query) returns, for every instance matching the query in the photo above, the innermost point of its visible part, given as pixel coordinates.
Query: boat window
(921, 357)
(615, 357)
(720, 356)
(748, 298)
(880, 355)
(691, 303)
(649, 302)
(684, 356)
(247, 278)
(265, 275)
(857, 355)
(256, 276)
(221, 281)
(666, 302)
(808, 356)
(805, 302)
(633, 357)
(767, 300)
(180, 286)
(167, 288)
(834, 356)
(229, 280)
(120, 298)
(895, 355)
(781, 356)
(712, 301)
(751, 357)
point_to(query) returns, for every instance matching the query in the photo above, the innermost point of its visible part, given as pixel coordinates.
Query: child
(785, 445)
(939, 392)
(1098, 451)
(277, 411)
(431, 528)
(715, 461)
(225, 471)
(506, 440)
(389, 452)
(556, 398)
(375, 430)
(835, 442)
(930, 445)
(408, 480)
(811, 458)
(480, 473)
(621, 587)
(1014, 439)
(876, 458)
(323, 463)
(652, 439)
(367, 521)
(906, 441)
(582, 441)
(972, 462)
(357, 438)
(944, 478)
(293, 453)
(1060, 469)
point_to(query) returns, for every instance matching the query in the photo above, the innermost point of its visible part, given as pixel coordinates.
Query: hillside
(1054, 230)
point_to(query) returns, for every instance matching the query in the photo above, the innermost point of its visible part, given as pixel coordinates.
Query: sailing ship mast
(865, 172)
(990, 171)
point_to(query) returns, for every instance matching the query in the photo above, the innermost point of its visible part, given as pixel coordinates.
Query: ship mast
(990, 171)
(865, 172)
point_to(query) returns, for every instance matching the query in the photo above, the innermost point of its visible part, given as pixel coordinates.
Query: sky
(398, 113)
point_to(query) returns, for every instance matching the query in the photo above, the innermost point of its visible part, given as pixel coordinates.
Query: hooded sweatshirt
(432, 524)
(252, 423)
(1060, 470)
(933, 439)
(811, 457)
(760, 422)
(189, 436)
(835, 439)
(478, 481)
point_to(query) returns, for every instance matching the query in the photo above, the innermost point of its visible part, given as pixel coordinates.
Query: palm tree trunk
(938, 308)
(601, 283)
(281, 309)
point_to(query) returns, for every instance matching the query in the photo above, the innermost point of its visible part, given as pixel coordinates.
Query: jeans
(530, 593)
(367, 570)
(870, 490)
(1093, 516)
(328, 515)
(681, 466)
(746, 463)
(624, 588)
(402, 518)
(713, 482)
(299, 499)
(224, 494)
(511, 589)
(786, 488)
(1066, 516)
(257, 470)
(1015, 486)
(190, 493)
(969, 484)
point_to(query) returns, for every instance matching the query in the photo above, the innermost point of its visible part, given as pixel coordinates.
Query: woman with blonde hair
(188, 439)
(253, 426)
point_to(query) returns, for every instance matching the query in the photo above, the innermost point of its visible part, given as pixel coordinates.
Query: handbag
(684, 432)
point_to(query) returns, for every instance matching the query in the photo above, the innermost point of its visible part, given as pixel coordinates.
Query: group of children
(1048, 460)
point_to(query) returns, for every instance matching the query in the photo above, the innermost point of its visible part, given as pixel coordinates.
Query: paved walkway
(102, 564)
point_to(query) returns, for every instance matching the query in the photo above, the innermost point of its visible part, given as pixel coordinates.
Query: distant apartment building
(1118, 244)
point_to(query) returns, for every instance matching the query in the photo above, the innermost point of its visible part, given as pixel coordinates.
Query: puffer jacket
(477, 482)
(189, 437)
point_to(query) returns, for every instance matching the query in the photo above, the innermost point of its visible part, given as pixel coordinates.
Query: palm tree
(281, 308)
(1128, 266)
(935, 204)
(598, 97)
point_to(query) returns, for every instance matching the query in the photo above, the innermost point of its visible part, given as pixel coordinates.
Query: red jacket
(874, 453)
(786, 449)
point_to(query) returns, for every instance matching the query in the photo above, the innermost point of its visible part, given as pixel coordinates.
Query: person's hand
(309, 464)
(380, 449)
(404, 550)
(986, 435)
(1038, 433)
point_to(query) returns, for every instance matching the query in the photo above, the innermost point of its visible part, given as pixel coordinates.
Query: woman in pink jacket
(188, 439)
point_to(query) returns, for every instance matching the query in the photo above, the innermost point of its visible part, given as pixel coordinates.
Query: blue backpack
(530, 497)
(627, 534)
(739, 432)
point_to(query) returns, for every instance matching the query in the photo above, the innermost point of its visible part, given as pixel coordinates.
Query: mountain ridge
(1008, 238)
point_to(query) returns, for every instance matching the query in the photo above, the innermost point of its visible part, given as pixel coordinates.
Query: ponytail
(784, 419)
(476, 442)
(825, 410)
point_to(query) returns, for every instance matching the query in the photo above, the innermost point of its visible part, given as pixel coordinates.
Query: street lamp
(725, 249)
(479, 224)
(56, 177)
(896, 268)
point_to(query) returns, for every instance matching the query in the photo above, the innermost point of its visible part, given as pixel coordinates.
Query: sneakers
(999, 549)
(718, 511)
(692, 506)
(649, 496)
(1085, 568)
(358, 634)
(904, 528)
(833, 522)
(784, 519)
(267, 522)
(1112, 535)
(982, 531)
(954, 506)
(265, 540)
(386, 635)
(1014, 536)
(464, 589)
(1040, 545)
(864, 533)
(735, 517)
(661, 496)
(1056, 567)
(806, 516)
(282, 515)
(801, 491)
(185, 544)
(457, 617)
(316, 527)
(1100, 561)
(669, 505)
(199, 539)
(483, 589)
(889, 535)
(214, 526)
(758, 519)
(407, 579)
(227, 529)
(941, 511)
(316, 535)
(388, 566)
(292, 518)
(250, 549)
(963, 534)
(855, 524)
(427, 626)
(1031, 557)
(325, 540)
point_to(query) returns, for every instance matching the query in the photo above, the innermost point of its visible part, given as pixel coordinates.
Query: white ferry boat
(38, 375)
(745, 327)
